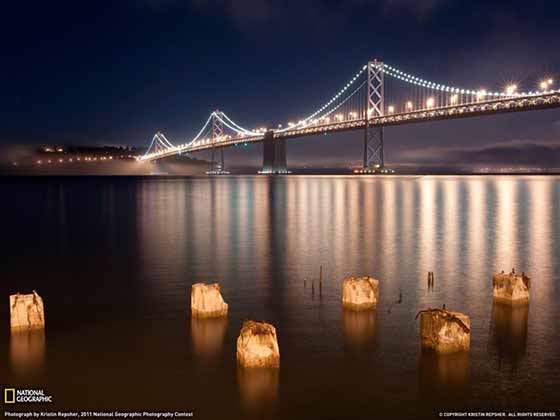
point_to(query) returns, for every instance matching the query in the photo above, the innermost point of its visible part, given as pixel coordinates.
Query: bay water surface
(114, 259)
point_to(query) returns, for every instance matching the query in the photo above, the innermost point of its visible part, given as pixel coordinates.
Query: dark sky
(114, 72)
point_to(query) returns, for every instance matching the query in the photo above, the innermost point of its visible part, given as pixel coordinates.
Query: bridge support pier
(217, 166)
(274, 155)
(373, 148)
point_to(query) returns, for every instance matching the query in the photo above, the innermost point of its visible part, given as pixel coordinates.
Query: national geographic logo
(9, 396)
(34, 396)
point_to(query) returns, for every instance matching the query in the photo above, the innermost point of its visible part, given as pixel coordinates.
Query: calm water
(114, 259)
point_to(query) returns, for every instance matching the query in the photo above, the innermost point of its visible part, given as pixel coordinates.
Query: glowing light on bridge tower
(375, 105)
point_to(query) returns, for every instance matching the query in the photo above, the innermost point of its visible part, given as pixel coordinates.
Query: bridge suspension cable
(165, 141)
(234, 126)
(317, 113)
(161, 140)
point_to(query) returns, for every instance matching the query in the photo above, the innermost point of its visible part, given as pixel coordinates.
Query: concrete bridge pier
(274, 155)
(217, 166)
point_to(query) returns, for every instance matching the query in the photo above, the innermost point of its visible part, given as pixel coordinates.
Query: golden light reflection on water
(450, 225)
(508, 330)
(450, 233)
(443, 378)
(359, 331)
(260, 236)
(389, 233)
(541, 236)
(506, 224)
(258, 388)
(208, 336)
(427, 228)
(477, 225)
(27, 354)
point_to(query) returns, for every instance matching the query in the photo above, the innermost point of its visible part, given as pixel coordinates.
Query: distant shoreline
(18, 174)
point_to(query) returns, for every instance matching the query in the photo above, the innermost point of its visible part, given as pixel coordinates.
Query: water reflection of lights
(506, 227)
(477, 225)
(359, 331)
(509, 332)
(443, 378)
(541, 235)
(427, 235)
(27, 353)
(208, 336)
(389, 211)
(258, 388)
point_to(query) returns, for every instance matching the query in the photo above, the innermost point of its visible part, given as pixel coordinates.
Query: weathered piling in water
(444, 331)
(27, 312)
(359, 293)
(511, 289)
(257, 345)
(207, 301)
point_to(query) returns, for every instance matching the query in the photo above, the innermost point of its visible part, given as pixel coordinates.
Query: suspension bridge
(379, 95)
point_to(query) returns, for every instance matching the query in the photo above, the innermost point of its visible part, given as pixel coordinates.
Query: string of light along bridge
(378, 95)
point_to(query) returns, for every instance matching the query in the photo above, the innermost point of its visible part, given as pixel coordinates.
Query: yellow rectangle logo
(9, 395)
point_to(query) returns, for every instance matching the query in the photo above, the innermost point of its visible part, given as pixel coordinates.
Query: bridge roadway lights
(374, 171)
(274, 155)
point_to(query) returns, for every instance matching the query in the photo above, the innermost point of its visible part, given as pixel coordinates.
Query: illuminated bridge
(378, 95)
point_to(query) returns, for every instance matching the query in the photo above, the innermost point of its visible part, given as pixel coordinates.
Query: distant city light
(391, 109)
(430, 102)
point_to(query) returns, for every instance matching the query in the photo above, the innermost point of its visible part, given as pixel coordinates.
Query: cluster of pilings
(441, 329)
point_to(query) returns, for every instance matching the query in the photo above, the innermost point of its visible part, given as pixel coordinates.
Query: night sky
(93, 72)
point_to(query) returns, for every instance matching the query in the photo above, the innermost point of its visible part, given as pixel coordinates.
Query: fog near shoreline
(112, 167)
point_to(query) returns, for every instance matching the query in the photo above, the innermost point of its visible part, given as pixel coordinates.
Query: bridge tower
(373, 135)
(274, 155)
(217, 164)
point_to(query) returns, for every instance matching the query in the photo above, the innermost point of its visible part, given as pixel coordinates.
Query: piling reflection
(208, 335)
(444, 378)
(258, 388)
(359, 331)
(27, 353)
(508, 332)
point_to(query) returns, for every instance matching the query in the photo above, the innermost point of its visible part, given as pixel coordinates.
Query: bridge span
(370, 101)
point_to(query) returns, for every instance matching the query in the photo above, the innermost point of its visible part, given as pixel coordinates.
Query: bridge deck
(505, 105)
